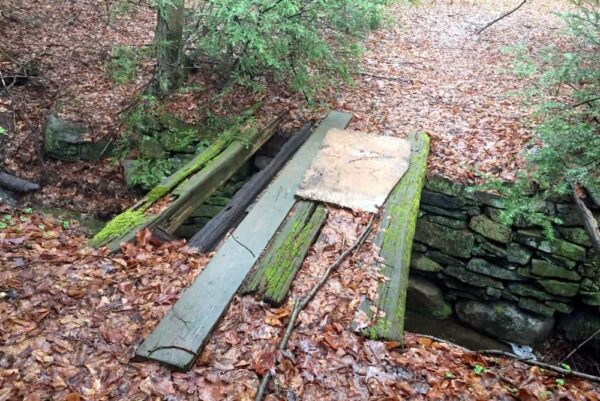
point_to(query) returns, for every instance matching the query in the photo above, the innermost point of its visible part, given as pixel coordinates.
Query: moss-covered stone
(561, 307)
(418, 247)
(489, 269)
(489, 198)
(452, 213)
(426, 297)
(441, 200)
(424, 264)
(118, 226)
(557, 260)
(590, 298)
(589, 285)
(487, 293)
(543, 268)
(518, 254)
(447, 221)
(452, 242)
(471, 278)
(484, 247)
(537, 307)
(444, 259)
(151, 148)
(528, 290)
(490, 229)
(536, 239)
(569, 215)
(576, 235)
(560, 288)
(444, 186)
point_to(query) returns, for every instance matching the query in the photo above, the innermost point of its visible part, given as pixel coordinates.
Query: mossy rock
(447, 221)
(490, 229)
(441, 200)
(452, 242)
(528, 290)
(519, 254)
(543, 268)
(560, 288)
(426, 297)
(482, 266)
(424, 264)
(532, 305)
(471, 278)
(444, 186)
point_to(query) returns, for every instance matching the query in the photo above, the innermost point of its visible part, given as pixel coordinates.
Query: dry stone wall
(510, 282)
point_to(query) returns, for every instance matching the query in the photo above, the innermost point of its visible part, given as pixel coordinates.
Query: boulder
(452, 242)
(490, 229)
(66, 140)
(425, 297)
(579, 326)
(505, 321)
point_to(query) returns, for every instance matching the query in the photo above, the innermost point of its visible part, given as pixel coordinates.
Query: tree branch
(501, 17)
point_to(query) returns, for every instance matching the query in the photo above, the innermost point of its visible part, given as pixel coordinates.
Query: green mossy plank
(190, 186)
(181, 334)
(276, 270)
(395, 237)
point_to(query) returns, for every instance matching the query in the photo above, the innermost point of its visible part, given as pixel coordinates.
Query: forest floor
(73, 316)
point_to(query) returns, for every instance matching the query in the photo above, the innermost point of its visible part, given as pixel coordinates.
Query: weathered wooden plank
(395, 237)
(189, 187)
(181, 334)
(277, 268)
(212, 232)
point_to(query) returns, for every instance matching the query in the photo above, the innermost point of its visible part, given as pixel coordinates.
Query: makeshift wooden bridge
(274, 238)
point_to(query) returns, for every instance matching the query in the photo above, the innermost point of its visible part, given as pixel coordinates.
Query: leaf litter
(73, 316)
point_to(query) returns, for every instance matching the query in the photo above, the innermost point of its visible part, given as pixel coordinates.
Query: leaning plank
(184, 190)
(277, 268)
(181, 334)
(394, 238)
(213, 231)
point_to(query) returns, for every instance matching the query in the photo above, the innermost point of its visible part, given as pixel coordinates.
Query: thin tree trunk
(169, 46)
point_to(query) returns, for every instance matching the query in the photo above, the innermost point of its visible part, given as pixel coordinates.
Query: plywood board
(355, 170)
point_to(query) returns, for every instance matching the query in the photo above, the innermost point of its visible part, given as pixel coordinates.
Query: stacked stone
(508, 281)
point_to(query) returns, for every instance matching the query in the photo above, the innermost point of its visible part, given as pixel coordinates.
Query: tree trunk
(169, 46)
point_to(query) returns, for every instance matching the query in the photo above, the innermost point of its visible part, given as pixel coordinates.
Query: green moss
(117, 227)
(193, 166)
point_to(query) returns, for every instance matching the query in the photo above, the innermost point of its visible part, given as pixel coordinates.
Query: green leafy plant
(125, 63)
(565, 148)
(2, 130)
(305, 43)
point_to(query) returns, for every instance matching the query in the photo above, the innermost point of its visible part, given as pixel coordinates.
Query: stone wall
(510, 282)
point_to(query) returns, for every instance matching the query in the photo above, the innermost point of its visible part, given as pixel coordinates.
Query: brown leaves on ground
(72, 317)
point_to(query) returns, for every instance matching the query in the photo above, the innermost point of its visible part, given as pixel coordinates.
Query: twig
(580, 345)
(501, 17)
(554, 368)
(588, 101)
(299, 305)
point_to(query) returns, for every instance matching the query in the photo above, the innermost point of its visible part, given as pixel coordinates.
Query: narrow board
(385, 319)
(181, 334)
(276, 270)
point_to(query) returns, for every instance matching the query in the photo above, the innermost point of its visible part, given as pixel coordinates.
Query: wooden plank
(394, 238)
(213, 231)
(189, 187)
(181, 334)
(276, 270)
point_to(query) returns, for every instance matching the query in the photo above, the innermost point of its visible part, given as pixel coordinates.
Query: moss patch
(118, 226)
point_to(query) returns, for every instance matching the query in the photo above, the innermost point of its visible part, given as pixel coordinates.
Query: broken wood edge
(394, 238)
(276, 270)
(208, 237)
(195, 182)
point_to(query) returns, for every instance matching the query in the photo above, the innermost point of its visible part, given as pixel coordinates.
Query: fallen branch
(570, 354)
(501, 17)
(589, 222)
(532, 362)
(299, 305)
(16, 184)
(547, 366)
